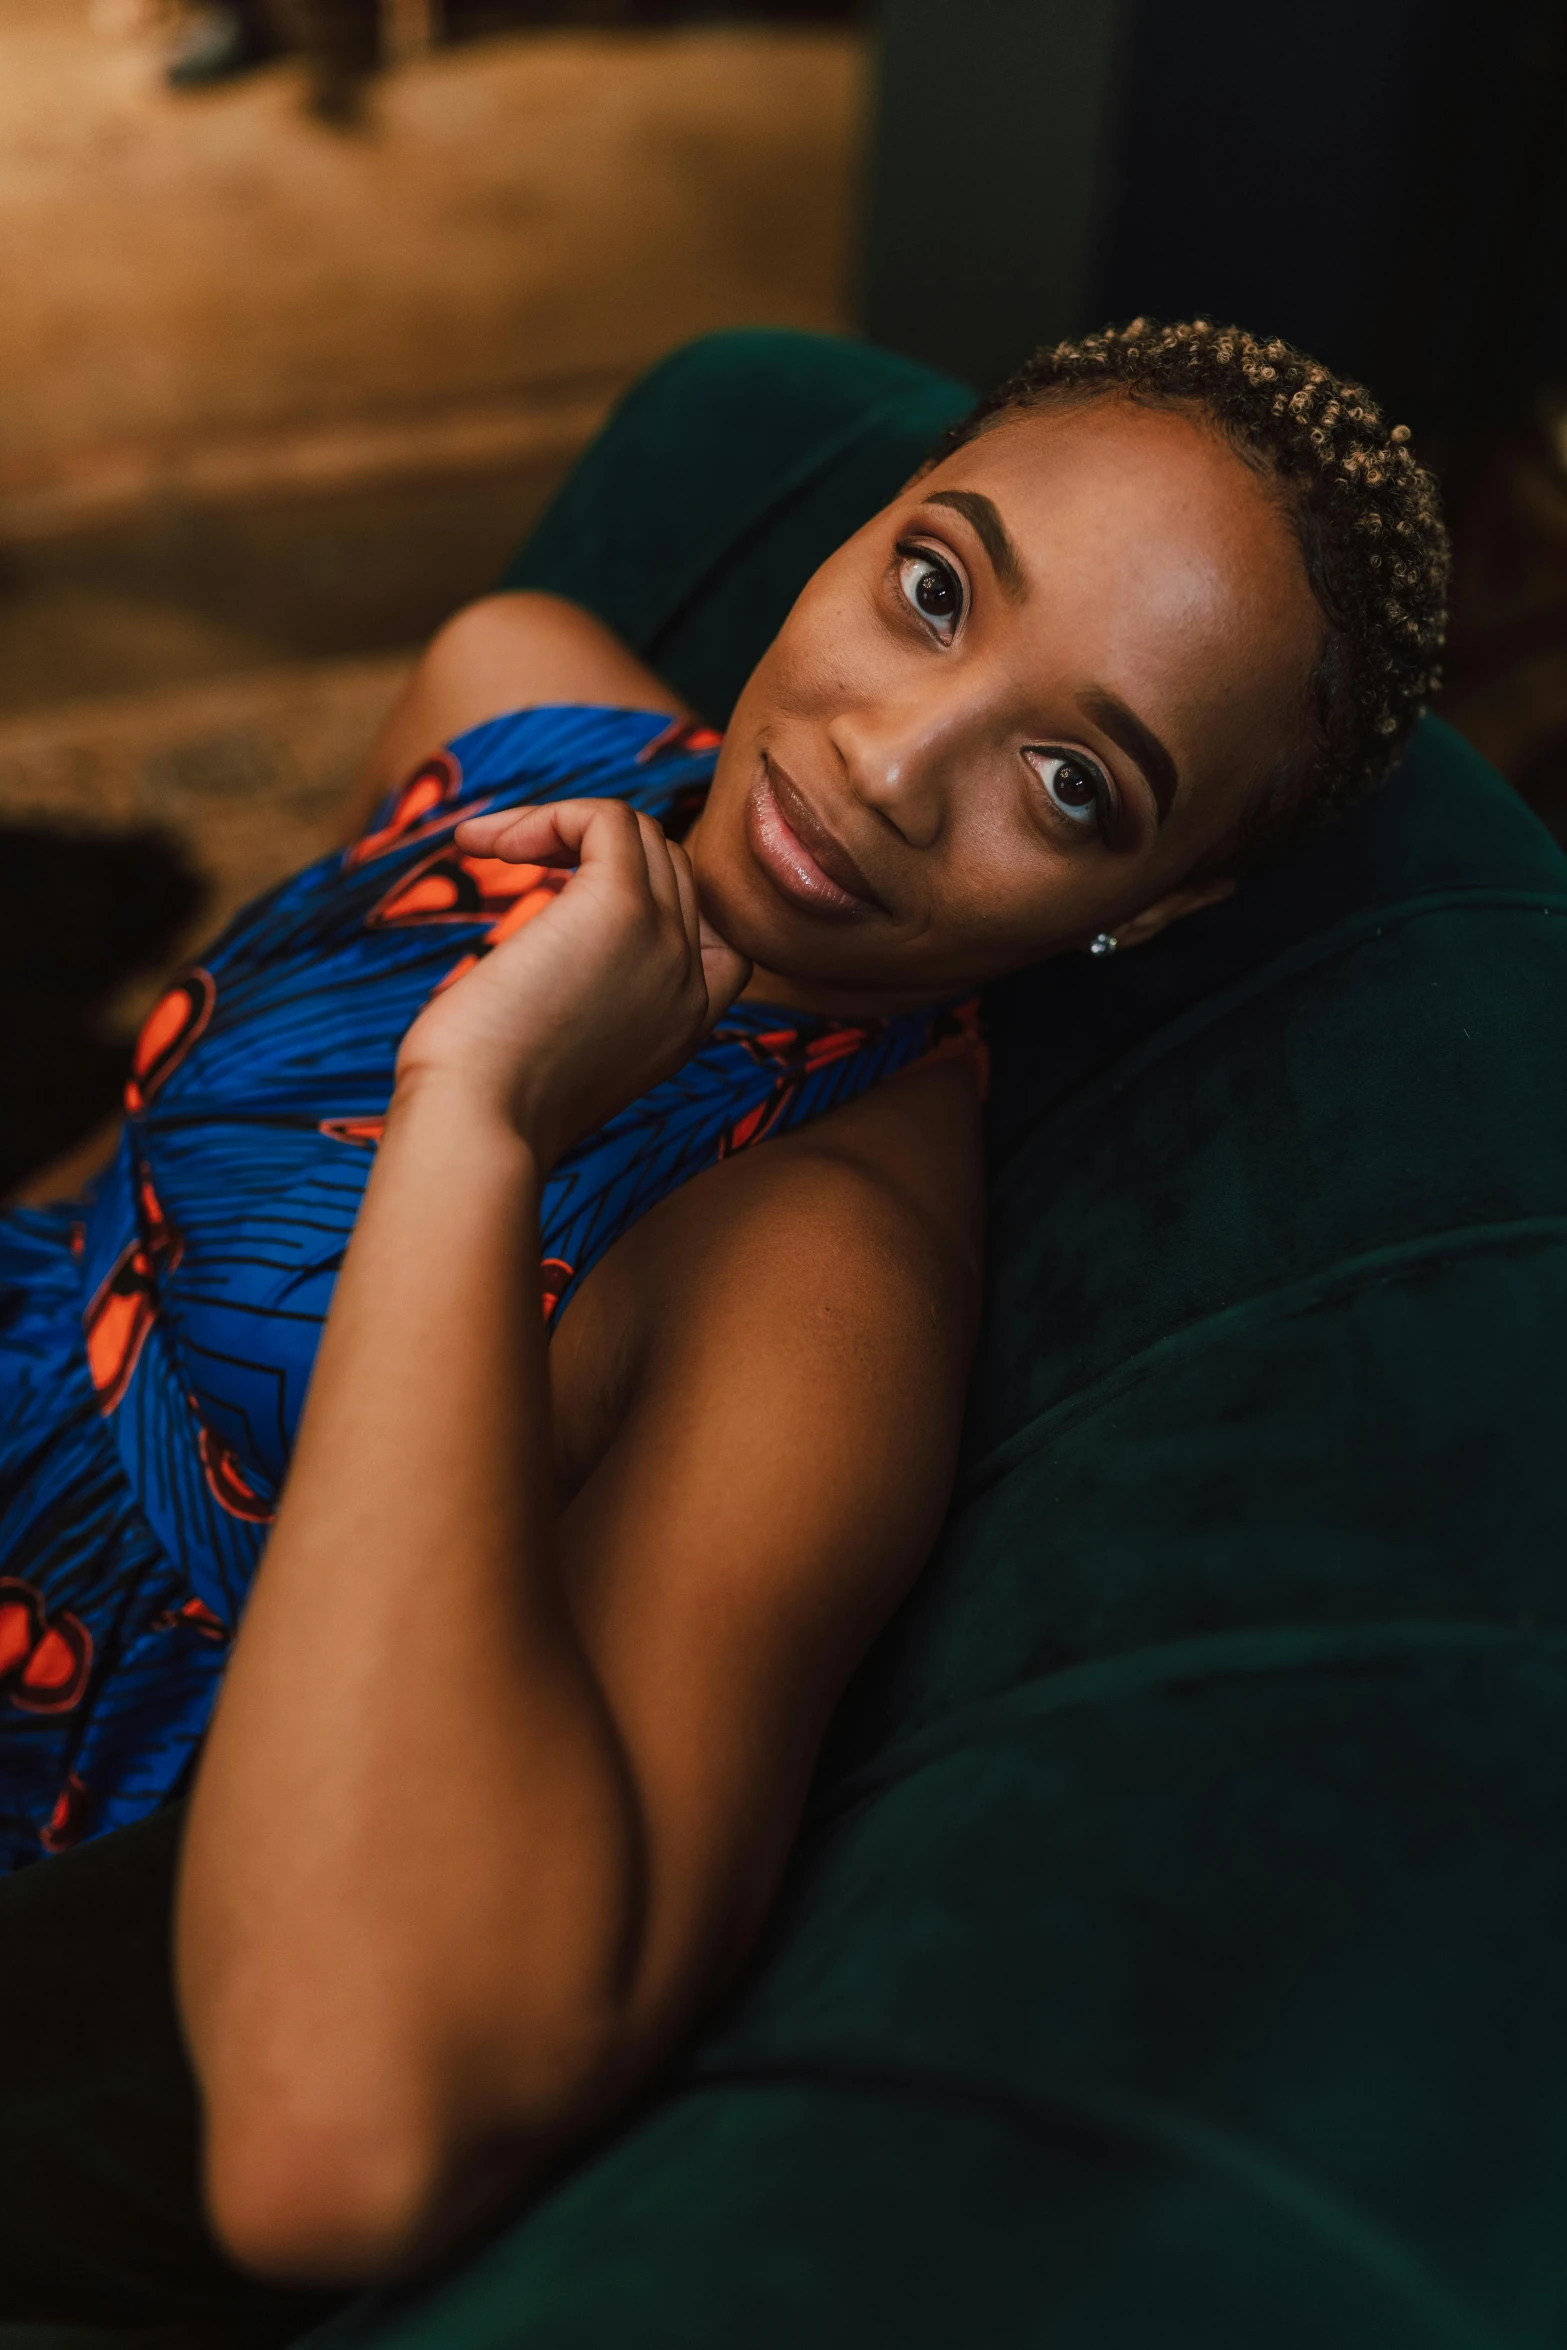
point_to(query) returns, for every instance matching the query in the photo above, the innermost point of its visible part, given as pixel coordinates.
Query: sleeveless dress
(157, 1337)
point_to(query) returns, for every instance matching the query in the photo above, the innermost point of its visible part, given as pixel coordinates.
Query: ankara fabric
(156, 1344)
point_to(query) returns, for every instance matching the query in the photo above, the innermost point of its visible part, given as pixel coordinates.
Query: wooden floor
(281, 394)
(199, 289)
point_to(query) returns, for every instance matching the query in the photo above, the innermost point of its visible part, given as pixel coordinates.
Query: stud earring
(1103, 942)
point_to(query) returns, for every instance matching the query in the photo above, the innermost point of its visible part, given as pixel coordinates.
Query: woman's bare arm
(505, 652)
(492, 1797)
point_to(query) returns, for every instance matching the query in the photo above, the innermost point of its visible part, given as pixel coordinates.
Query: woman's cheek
(1013, 918)
(831, 655)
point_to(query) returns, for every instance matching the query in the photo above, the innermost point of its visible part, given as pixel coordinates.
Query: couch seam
(1174, 1664)
(1179, 2137)
(1345, 1278)
(1326, 946)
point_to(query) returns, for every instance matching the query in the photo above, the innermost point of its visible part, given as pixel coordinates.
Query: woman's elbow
(298, 2203)
(353, 2187)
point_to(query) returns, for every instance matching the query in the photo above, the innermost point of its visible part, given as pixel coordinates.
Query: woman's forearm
(410, 1899)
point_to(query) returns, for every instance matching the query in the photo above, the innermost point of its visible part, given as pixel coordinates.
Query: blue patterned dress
(157, 1338)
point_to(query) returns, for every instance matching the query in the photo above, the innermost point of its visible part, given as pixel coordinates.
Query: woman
(518, 1721)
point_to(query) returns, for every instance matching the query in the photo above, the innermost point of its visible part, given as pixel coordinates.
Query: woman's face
(1017, 708)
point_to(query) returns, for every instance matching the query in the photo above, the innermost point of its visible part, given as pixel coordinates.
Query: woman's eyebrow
(1123, 726)
(977, 510)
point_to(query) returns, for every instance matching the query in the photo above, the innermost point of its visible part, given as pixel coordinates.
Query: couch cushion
(724, 477)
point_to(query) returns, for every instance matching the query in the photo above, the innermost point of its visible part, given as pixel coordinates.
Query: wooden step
(275, 390)
(249, 774)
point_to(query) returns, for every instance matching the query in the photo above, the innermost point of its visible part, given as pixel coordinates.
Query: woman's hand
(600, 995)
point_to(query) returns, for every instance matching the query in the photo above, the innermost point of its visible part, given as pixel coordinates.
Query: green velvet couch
(1174, 1955)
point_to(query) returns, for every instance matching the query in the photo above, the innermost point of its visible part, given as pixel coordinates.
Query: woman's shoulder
(858, 1232)
(870, 1205)
(905, 1155)
(916, 1136)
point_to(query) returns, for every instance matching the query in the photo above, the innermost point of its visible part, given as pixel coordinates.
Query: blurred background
(307, 305)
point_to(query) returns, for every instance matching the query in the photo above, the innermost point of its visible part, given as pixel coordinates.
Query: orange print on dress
(125, 1305)
(451, 887)
(44, 1660)
(554, 1274)
(755, 1125)
(428, 790)
(834, 1044)
(67, 1818)
(194, 1614)
(682, 735)
(170, 1029)
(228, 1483)
(366, 1132)
(542, 886)
(959, 1035)
(796, 1058)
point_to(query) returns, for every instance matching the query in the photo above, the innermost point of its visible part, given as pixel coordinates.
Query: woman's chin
(737, 907)
(829, 959)
(768, 945)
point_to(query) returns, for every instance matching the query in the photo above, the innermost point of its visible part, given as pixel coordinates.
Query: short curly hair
(1365, 511)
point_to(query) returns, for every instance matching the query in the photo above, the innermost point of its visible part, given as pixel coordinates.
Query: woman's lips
(799, 854)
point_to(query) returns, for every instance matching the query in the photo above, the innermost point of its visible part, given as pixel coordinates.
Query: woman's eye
(1073, 786)
(933, 588)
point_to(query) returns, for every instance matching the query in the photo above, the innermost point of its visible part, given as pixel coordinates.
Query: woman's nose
(895, 761)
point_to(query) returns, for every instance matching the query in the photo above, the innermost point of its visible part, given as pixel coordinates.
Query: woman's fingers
(523, 836)
(631, 849)
(690, 900)
(585, 833)
(554, 833)
(661, 871)
(724, 972)
(685, 884)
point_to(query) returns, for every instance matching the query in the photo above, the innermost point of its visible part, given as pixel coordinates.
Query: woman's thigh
(100, 2221)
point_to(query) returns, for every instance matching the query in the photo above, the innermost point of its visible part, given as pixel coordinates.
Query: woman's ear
(1139, 928)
